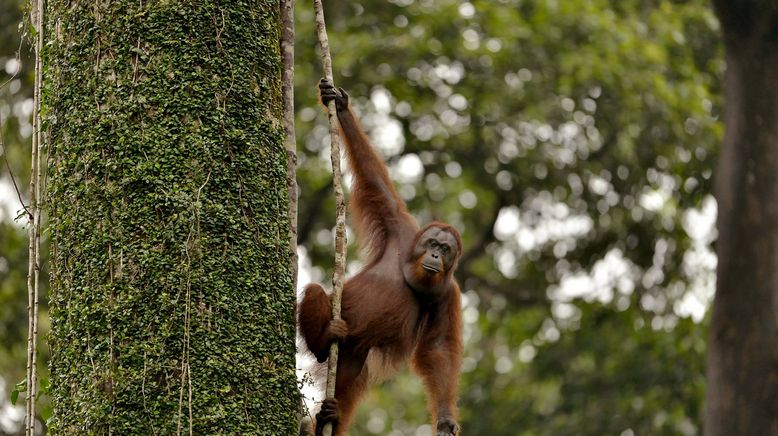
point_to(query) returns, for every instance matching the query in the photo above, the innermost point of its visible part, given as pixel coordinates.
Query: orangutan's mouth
(430, 268)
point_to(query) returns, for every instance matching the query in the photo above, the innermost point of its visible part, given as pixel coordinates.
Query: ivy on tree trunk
(171, 297)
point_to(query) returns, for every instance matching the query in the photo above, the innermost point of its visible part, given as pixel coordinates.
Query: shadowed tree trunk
(171, 297)
(742, 367)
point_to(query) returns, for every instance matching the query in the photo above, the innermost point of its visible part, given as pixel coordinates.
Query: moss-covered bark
(171, 301)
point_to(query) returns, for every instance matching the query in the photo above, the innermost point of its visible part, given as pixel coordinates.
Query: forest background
(573, 145)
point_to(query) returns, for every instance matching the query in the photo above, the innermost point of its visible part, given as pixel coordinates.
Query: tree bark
(742, 365)
(171, 296)
(287, 92)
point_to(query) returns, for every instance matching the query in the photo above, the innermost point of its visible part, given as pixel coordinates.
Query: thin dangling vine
(340, 205)
(33, 272)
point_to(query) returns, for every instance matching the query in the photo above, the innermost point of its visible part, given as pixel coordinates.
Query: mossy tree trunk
(742, 366)
(171, 299)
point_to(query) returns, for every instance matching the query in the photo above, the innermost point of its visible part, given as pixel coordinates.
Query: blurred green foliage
(573, 143)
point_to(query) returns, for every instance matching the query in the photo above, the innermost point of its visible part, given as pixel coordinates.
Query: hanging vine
(340, 205)
(33, 272)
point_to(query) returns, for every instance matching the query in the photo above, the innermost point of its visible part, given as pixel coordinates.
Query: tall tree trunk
(742, 395)
(171, 298)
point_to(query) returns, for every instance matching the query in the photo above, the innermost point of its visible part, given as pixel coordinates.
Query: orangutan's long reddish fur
(382, 312)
